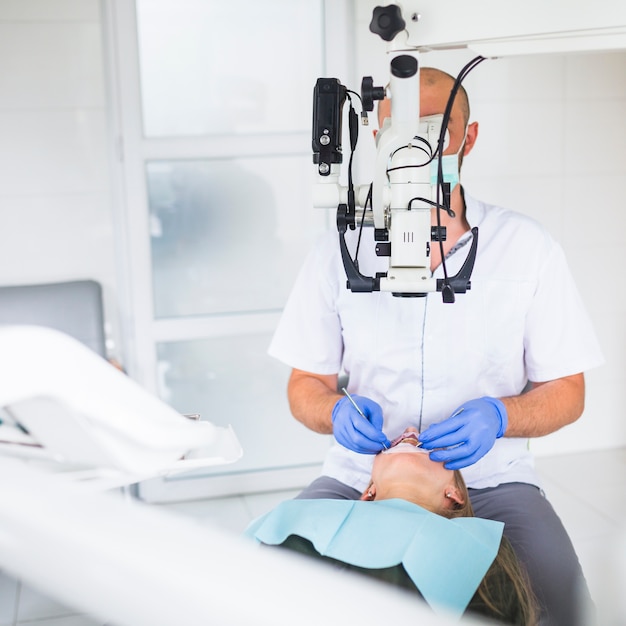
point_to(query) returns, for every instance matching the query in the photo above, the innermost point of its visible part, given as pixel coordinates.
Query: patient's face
(406, 470)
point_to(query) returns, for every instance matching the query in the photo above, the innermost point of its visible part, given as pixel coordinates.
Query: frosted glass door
(228, 235)
(210, 67)
(223, 138)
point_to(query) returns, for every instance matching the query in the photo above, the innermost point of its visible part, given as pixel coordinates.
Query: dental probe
(356, 406)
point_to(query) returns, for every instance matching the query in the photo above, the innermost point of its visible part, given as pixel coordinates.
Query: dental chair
(63, 407)
(74, 307)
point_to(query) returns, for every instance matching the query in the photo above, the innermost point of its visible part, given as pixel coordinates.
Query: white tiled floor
(587, 490)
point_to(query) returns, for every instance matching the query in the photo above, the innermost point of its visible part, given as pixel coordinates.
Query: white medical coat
(419, 358)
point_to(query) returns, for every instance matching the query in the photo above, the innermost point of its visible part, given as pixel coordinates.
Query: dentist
(477, 378)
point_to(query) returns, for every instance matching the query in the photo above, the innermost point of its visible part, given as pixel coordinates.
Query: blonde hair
(493, 591)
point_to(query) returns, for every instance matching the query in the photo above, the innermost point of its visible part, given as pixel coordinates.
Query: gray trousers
(538, 538)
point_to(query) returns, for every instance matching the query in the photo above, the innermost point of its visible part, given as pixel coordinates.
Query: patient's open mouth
(406, 437)
(406, 442)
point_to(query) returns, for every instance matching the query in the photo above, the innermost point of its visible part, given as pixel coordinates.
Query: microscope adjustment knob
(387, 22)
(369, 93)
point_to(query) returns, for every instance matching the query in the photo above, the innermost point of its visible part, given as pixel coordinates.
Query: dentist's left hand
(355, 432)
(466, 436)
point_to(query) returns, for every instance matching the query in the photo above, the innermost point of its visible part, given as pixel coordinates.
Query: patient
(413, 494)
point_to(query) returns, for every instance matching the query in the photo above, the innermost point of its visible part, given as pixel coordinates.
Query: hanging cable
(447, 291)
(368, 200)
(353, 127)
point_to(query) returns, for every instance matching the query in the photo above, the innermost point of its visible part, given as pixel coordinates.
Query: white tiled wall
(557, 127)
(55, 187)
(551, 145)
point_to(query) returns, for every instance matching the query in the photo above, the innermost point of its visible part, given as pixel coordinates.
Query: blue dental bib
(445, 558)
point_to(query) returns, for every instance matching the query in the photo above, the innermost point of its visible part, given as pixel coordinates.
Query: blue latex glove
(468, 434)
(359, 433)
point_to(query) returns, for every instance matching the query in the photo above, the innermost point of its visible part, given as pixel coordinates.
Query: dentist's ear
(384, 111)
(470, 137)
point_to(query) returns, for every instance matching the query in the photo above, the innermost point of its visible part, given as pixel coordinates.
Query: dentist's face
(434, 95)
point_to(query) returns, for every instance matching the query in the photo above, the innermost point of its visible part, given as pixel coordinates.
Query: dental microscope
(409, 180)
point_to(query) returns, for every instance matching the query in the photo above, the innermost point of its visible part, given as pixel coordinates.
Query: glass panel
(229, 235)
(232, 380)
(228, 67)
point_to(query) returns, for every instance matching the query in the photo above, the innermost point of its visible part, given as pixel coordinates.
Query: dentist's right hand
(359, 433)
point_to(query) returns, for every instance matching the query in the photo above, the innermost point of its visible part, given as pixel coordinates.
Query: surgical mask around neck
(449, 167)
